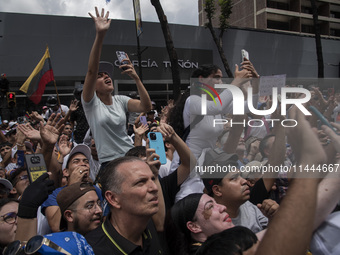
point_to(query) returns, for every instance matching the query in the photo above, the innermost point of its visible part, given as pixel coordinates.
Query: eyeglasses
(35, 243)
(14, 248)
(91, 206)
(10, 217)
(20, 178)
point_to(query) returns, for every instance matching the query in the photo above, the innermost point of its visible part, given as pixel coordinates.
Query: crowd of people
(106, 192)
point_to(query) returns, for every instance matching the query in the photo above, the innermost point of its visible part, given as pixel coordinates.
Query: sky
(177, 11)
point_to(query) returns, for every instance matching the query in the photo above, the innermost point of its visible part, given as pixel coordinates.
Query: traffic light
(11, 101)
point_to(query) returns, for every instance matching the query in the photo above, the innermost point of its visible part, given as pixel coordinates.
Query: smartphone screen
(143, 120)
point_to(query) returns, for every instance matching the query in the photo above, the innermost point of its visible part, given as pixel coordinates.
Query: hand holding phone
(156, 142)
(244, 54)
(35, 166)
(121, 55)
(143, 120)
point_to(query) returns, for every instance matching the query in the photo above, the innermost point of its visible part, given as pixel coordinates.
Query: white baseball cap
(80, 148)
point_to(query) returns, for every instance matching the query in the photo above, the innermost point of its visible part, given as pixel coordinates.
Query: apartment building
(293, 16)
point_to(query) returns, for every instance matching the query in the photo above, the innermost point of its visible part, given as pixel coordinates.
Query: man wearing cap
(106, 114)
(80, 208)
(231, 190)
(54, 107)
(76, 168)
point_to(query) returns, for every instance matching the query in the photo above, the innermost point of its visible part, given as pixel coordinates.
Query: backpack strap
(186, 132)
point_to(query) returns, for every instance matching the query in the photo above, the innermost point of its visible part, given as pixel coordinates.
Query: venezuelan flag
(42, 74)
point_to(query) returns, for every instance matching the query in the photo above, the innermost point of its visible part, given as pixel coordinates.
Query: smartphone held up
(121, 55)
(156, 142)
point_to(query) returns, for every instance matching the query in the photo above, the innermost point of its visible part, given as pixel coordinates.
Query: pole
(139, 54)
(56, 91)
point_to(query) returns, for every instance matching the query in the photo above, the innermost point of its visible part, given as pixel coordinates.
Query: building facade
(293, 16)
(23, 40)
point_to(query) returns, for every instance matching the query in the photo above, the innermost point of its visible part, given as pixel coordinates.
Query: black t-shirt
(258, 193)
(169, 189)
(106, 240)
(82, 125)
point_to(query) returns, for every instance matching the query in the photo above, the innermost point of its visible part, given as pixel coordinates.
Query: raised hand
(102, 22)
(30, 132)
(247, 65)
(129, 68)
(166, 130)
(74, 105)
(140, 131)
(51, 131)
(64, 145)
(152, 159)
(36, 116)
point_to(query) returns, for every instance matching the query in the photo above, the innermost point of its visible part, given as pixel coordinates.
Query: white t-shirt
(50, 111)
(108, 126)
(251, 217)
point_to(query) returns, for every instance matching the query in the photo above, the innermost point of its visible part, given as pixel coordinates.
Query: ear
(194, 227)
(216, 189)
(68, 214)
(13, 191)
(66, 173)
(167, 144)
(113, 199)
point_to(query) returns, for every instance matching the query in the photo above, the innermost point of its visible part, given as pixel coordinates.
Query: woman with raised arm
(106, 113)
(197, 130)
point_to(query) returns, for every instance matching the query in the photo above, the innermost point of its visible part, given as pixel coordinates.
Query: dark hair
(138, 151)
(231, 241)
(109, 178)
(5, 201)
(264, 143)
(14, 173)
(176, 114)
(5, 144)
(184, 210)
(178, 236)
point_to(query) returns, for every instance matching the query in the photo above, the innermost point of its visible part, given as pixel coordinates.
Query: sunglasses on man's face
(10, 217)
(36, 242)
